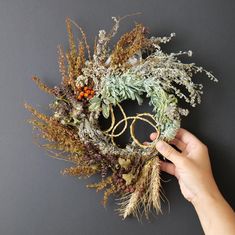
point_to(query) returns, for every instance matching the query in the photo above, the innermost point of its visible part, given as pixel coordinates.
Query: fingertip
(153, 136)
(167, 151)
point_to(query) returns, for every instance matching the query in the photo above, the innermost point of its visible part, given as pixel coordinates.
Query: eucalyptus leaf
(139, 99)
(94, 104)
(105, 110)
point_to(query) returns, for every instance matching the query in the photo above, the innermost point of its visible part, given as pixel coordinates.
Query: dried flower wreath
(136, 66)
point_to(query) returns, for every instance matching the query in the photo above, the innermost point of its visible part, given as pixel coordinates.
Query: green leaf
(131, 93)
(94, 103)
(112, 100)
(139, 99)
(95, 99)
(105, 110)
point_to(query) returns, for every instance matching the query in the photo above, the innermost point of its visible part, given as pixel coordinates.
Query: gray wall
(34, 197)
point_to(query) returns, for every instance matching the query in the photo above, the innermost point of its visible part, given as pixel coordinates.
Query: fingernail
(153, 136)
(160, 145)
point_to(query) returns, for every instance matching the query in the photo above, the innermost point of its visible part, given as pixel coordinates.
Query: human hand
(191, 164)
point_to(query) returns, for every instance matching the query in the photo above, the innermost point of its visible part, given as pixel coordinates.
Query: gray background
(34, 197)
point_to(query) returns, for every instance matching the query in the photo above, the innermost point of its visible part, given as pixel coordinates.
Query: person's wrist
(206, 196)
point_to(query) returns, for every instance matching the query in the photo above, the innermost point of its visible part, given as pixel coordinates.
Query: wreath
(91, 86)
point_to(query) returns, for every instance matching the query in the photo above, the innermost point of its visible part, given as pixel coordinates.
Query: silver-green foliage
(158, 77)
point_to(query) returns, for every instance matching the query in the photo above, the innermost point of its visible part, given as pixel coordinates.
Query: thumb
(167, 151)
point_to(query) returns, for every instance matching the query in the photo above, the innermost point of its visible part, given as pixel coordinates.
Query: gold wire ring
(146, 120)
(113, 122)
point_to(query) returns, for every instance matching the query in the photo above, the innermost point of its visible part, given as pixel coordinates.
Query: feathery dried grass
(80, 62)
(108, 192)
(69, 21)
(147, 193)
(128, 45)
(102, 184)
(75, 56)
(43, 86)
(131, 204)
(51, 130)
(62, 66)
(85, 171)
(155, 186)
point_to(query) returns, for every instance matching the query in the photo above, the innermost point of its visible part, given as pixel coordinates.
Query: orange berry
(85, 95)
(88, 92)
(81, 93)
(85, 88)
(92, 92)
